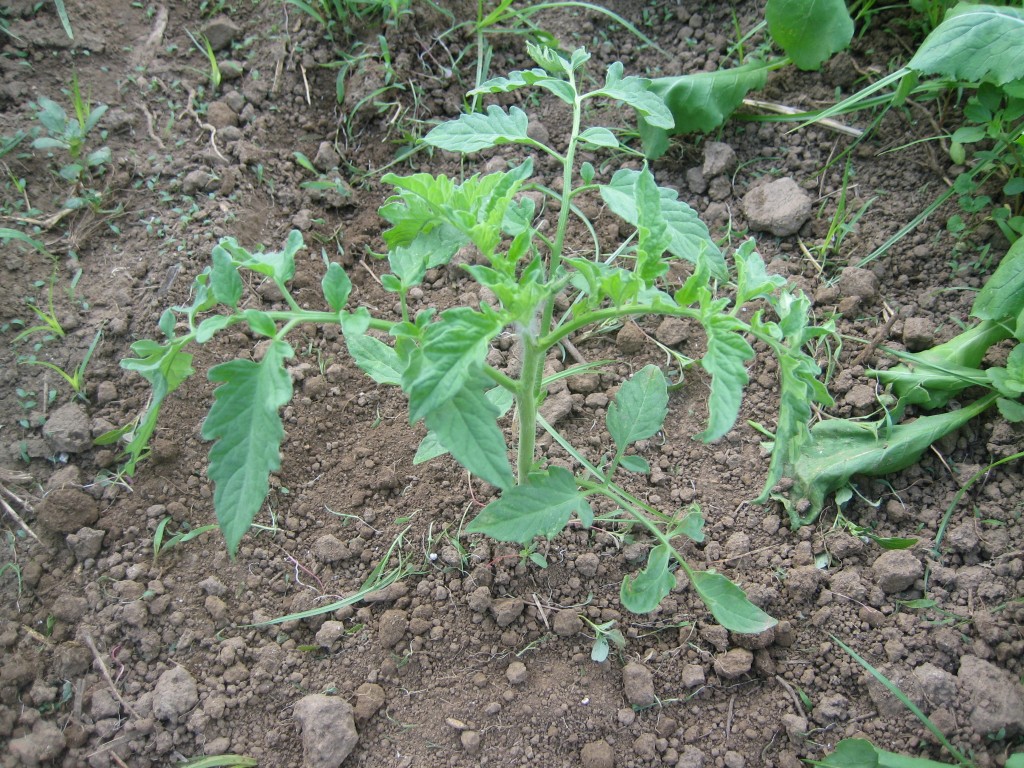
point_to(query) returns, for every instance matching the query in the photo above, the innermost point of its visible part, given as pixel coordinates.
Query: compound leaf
(466, 425)
(634, 91)
(729, 605)
(689, 237)
(541, 506)
(644, 592)
(975, 43)
(640, 407)
(245, 423)
(809, 31)
(475, 131)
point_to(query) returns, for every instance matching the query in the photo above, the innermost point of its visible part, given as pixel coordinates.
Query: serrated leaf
(279, 265)
(525, 78)
(466, 425)
(430, 446)
(701, 102)
(975, 43)
(245, 424)
(725, 359)
(225, 282)
(689, 237)
(1002, 296)
(653, 237)
(644, 592)
(375, 358)
(639, 408)
(336, 286)
(476, 131)
(452, 349)
(634, 92)
(752, 278)
(729, 605)
(542, 506)
(809, 31)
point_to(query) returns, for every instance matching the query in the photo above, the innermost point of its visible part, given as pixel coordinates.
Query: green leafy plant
(605, 636)
(75, 379)
(807, 32)
(70, 134)
(48, 315)
(439, 358)
(838, 449)
(205, 48)
(162, 543)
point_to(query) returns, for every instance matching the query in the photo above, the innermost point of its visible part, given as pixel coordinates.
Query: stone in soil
(175, 694)
(566, 623)
(507, 610)
(994, 697)
(67, 429)
(780, 207)
(861, 283)
(45, 743)
(67, 510)
(597, 754)
(638, 684)
(896, 570)
(734, 663)
(516, 673)
(392, 626)
(328, 730)
(221, 32)
(369, 699)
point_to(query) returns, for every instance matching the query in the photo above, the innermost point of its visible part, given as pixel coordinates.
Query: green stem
(526, 394)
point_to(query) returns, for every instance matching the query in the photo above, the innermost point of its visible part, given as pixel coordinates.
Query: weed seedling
(160, 546)
(75, 379)
(605, 636)
(440, 359)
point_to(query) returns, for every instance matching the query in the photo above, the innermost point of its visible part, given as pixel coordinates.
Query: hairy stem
(526, 403)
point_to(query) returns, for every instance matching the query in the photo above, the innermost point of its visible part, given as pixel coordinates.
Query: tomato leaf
(725, 359)
(639, 408)
(542, 506)
(729, 605)
(643, 593)
(475, 131)
(245, 424)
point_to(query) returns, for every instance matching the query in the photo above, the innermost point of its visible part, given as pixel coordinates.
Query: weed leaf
(689, 237)
(976, 43)
(643, 593)
(809, 32)
(336, 286)
(1002, 296)
(245, 423)
(700, 102)
(729, 605)
(476, 131)
(541, 506)
(466, 426)
(725, 360)
(640, 407)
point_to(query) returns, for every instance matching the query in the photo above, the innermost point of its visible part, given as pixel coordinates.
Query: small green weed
(75, 379)
(606, 635)
(162, 545)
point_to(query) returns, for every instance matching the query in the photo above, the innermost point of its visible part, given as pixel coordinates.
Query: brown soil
(476, 658)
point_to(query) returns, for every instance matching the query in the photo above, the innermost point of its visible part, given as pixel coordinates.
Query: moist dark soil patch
(475, 657)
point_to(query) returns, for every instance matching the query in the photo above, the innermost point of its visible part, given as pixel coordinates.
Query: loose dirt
(474, 657)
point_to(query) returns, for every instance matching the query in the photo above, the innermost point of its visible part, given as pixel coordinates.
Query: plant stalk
(526, 404)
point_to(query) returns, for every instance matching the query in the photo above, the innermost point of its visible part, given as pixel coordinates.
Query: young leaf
(466, 425)
(336, 286)
(653, 237)
(225, 281)
(640, 407)
(809, 32)
(541, 506)
(375, 358)
(531, 77)
(476, 131)
(689, 237)
(635, 464)
(245, 423)
(599, 137)
(634, 91)
(279, 265)
(729, 605)
(643, 593)
(975, 43)
(725, 359)
(452, 348)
